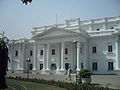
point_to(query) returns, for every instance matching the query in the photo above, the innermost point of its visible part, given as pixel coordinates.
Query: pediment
(54, 31)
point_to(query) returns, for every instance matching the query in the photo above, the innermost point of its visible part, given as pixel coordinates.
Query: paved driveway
(110, 80)
(105, 80)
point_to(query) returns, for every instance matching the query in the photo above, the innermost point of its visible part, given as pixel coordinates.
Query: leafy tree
(26, 1)
(3, 62)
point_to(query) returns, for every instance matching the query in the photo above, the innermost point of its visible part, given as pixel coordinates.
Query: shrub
(84, 73)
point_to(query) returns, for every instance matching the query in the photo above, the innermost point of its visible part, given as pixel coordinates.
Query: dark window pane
(82, 65)
(31, 53)
(110, 48)
(30, 66)
(53, 51)
(97, 29)
(112, 28)
(94, 66)
(41, 66)
(16, 53)
(94, 50)
(41, 52)
(66, 51)
(110, 66)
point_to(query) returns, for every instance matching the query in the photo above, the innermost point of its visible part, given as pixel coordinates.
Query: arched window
(110, 65)
(94, 66)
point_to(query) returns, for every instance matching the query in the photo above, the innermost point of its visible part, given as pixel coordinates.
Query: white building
(91, 44)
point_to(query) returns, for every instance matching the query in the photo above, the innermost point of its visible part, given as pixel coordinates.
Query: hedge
(63, 84)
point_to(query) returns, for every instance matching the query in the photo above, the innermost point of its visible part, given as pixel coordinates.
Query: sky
(17, 19)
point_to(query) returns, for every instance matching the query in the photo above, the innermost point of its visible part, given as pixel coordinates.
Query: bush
(84, 73)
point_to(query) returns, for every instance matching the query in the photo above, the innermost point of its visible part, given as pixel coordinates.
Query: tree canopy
(26, 1)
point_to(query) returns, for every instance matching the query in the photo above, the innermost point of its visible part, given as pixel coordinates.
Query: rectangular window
(94, 50)
(41, 52)
(66, 50)
(112, 28)
(81, 50)
(82, 66)
(41, 66)
(109, 48)
(30, 66)
(94, 66)
(16, 53)
(53, 51)
(31, 53)
(110, 66)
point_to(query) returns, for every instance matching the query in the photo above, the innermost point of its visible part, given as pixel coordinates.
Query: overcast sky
(17, 19)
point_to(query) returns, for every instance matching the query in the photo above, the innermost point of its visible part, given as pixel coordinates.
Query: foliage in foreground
(62, 84)
(31, 85)
(4, 58)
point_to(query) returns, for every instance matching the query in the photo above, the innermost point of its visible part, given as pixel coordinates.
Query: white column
(20, 57)
(117, 54)
(75, 54)
(44, 59)
(85, 53)
(62, 56)
(59, 55)
(118, 21)
(105, 24)
(23, 56)
(78, 56)
(12, 58)
(91, 27)
(35, 57)
(22, 50)
(48, 57)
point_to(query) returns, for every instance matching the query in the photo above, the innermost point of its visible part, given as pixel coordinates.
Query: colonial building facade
(91, 44)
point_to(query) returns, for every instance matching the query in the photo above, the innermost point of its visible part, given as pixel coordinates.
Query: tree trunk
(3, 82)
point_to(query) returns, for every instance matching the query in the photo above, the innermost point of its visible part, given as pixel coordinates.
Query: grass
(37, 86)
(9, 88)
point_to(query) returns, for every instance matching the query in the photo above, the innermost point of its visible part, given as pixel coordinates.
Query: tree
(26, 1)
(4, 58)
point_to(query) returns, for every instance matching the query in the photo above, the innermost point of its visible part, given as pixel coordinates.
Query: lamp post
(28, 60)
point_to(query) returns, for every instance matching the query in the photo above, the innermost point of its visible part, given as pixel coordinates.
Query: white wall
(102, 56)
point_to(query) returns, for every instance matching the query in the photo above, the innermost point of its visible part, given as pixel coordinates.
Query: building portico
(58, 57)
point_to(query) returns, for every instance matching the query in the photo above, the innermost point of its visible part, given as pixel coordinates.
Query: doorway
(66, 66)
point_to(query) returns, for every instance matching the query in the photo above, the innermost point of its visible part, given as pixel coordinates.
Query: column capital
(78, 44)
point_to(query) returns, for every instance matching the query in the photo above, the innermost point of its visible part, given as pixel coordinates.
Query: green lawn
(37, 86)
(8, 89)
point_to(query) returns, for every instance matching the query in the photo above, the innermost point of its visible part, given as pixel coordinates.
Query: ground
(112, 81)
(24, 85)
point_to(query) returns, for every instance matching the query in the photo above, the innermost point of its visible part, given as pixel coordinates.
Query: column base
(46, 71)
(43, 71)
(34, 71)
(20, 69)
(61, 71)
(78, 69)
(117, 71)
